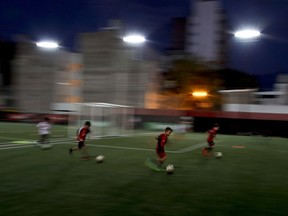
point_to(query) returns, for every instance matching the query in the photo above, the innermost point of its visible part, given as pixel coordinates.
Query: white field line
(63, 141)
(9, 145)
(52, 140)
(119, 147)
(191, 148)
(17, 147)
(8, 138)
(5, 146)
(183, 150)
(30, 132)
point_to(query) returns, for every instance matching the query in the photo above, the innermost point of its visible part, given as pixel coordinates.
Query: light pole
(135, 42)
(246, 35)
(49, 62)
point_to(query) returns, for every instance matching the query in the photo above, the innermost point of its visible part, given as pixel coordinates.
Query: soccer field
(250, 178)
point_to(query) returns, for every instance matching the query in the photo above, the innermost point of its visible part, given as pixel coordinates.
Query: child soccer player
(44, 130)
(210, 140)
(161, 141)
(81, 136)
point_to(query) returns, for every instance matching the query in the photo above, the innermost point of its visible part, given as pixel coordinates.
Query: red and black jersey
(82, 133)
(161, 141)
(211, 135)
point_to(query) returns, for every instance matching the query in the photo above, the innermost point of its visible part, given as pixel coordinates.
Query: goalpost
(107, 120)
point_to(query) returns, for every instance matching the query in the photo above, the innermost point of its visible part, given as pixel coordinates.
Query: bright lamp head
(134, 39)
(47, 44)
(247, 34)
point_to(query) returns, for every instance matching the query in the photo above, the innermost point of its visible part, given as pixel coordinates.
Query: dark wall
(243, 126)
(227, 126)
(7, 54)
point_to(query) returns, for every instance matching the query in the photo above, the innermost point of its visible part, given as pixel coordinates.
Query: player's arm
(88, 133)
(77, 134)
(80, 135)
(167, 143)
(210, 133)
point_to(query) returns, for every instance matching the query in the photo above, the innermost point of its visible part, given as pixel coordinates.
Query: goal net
(106, 119)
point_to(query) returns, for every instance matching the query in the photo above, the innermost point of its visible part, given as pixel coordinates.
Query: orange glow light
(199, 94)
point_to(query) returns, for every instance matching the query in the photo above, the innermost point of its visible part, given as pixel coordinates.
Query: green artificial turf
(248, 180)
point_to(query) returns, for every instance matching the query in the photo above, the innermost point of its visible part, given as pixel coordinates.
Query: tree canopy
(186, 76)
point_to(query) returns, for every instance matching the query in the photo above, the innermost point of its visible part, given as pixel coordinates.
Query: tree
(189, 76)
(234, 79)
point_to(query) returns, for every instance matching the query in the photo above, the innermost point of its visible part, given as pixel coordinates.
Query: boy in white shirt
(44, 131)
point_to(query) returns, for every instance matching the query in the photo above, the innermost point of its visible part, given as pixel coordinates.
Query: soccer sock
(204, 151)
(160, 163)
(210, 149)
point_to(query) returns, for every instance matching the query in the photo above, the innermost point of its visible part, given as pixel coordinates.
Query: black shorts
(44, 138)
(81, 144)
(211, 143)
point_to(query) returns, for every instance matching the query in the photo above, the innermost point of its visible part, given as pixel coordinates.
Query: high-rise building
(114, 71)
(45, 80)
(107, 71)
(207, 32)
(7, 54)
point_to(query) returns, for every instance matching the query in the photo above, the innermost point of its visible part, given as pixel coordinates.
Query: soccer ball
(170, 169)
(218, 154)
(99, 158)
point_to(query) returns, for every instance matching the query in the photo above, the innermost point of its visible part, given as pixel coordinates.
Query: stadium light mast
(135, 42)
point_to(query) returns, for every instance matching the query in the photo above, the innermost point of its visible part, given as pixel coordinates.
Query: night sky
(62, 20)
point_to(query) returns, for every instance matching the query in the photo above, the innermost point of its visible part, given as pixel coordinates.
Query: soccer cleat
(159, 164)
(70, 151)
(205, 152)
(153, 166)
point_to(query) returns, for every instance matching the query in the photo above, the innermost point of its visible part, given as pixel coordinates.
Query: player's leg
(84, 152)
(211, 146)
(206, 151)
(42, 138)
(45, 138)
(81, 147)
(77, 148)
(161, 158)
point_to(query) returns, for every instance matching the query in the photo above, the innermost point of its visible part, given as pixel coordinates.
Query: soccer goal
(107, 120)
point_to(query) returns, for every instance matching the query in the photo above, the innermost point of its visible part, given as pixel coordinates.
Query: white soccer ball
(99, 158)
(170, 169)
(218, 154)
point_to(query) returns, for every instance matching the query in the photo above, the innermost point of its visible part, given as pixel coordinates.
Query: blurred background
(164, 61)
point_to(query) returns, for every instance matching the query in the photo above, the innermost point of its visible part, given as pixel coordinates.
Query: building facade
(251, 100)
(107, 71)
(207, 32)
(45, 80)
(114, 71)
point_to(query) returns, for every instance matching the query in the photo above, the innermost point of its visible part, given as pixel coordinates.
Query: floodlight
(247, 34)
(47, 44)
